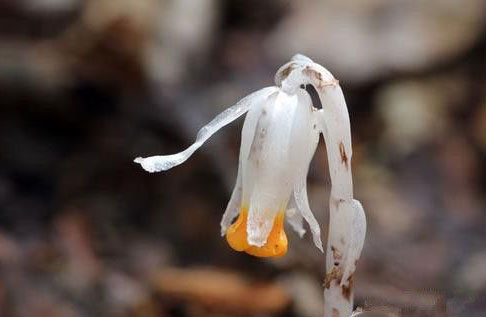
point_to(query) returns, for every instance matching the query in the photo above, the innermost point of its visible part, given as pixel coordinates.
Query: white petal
(294, 217)
(165, 162)
(267, 175)
(280, 153)
(247, 135)
(255, 121)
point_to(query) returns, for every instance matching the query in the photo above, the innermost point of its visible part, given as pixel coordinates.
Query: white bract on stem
(279, 138)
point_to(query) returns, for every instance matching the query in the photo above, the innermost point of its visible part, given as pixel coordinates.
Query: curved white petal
(165, 162)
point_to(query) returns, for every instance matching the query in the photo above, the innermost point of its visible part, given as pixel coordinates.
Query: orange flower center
(276, 244)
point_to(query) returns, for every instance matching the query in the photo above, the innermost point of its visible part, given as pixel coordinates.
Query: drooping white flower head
(279, 138)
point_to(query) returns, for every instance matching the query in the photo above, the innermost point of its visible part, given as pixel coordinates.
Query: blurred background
(87, 85)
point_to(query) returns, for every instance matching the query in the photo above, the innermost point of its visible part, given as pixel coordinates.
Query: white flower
(279, 139)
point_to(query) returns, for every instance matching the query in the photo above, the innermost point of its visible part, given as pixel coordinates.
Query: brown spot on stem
(348, 289)
(335, 313)
(344, 156)
(335, 253)
(337, 202)
(335, 274)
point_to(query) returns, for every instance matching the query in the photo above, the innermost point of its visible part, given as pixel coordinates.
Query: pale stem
(347, 222)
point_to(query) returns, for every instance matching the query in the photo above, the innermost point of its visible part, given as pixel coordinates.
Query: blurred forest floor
(86, 86)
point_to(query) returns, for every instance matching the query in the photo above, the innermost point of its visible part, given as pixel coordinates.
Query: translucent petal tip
(154, 163)
(141, 161)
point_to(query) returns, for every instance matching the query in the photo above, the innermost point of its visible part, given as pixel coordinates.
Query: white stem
(338, 292)
(347, 222)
